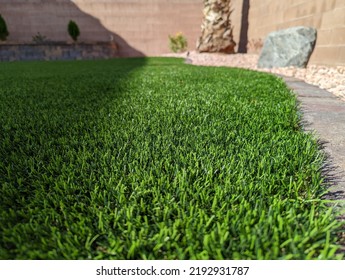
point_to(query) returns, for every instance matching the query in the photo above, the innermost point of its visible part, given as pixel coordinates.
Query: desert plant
(73, 30)
(39, 38)
(178, 43)
(3, 29)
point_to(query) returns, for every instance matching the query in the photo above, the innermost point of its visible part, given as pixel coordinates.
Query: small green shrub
(3, 29)
(178, 43)
(73, 30)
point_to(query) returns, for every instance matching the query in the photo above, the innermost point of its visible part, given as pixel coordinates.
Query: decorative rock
(216, 30)
(288, 47)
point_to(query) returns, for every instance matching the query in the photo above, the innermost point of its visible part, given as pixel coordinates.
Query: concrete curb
(324, 114)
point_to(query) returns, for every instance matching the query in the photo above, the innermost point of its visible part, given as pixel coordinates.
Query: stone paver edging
(324, 114)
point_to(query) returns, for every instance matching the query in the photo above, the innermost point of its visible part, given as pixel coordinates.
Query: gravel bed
(331, 79)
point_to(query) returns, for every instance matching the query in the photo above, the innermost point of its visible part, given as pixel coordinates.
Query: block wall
(327, 16)
(139, 27)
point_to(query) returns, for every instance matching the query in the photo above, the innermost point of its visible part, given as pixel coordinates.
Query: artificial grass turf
(154, 159)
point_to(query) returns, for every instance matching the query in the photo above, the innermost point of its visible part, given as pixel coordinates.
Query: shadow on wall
(50, 19)
(242, 46)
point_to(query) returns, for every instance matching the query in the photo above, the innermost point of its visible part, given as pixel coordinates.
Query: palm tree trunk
(216, 29)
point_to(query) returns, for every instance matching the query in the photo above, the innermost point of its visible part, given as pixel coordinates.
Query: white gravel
(331, 79)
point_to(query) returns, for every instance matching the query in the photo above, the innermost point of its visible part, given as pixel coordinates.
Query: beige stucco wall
(327, 16)
(139, 26)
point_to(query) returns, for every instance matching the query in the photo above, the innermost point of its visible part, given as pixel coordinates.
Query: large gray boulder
(288, 47)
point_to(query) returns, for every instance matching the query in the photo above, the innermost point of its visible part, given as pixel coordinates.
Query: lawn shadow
(49, 113)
